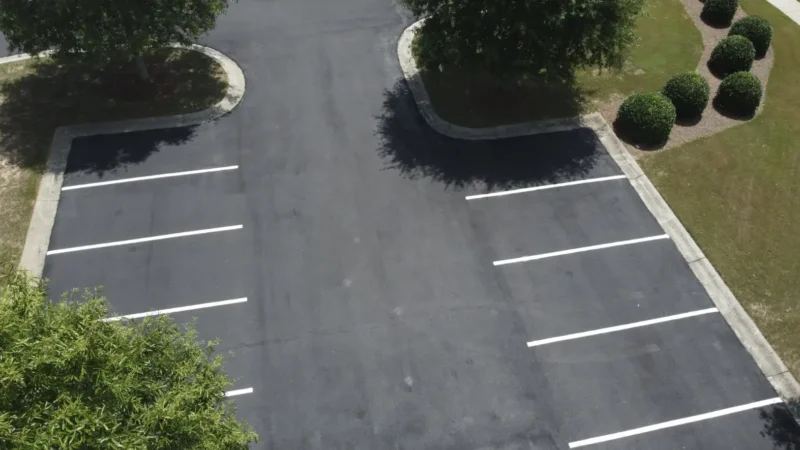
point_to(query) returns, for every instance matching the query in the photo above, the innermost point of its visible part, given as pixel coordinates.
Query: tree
(101, 31)
(70, 380)
(520, 38)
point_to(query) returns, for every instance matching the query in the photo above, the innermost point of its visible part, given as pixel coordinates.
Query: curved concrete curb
(733, 312)
(44, 211)
(411, 73)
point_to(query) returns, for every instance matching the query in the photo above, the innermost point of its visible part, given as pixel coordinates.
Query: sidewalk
(789, 7)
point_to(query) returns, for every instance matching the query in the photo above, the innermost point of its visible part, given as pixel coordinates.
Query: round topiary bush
(739, 93)
(689, 93)
(732, 54)
(757, 30)
(646, 118)
(719, 12)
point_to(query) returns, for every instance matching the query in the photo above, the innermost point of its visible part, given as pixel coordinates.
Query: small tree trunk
(141, 69)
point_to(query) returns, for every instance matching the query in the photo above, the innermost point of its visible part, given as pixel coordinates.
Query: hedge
(689, 93)
(757, 30)
(732, 54)
(646, 118)
(739, 93)
(719, 12)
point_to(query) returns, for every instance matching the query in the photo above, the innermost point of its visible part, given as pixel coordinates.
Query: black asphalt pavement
(375, 316)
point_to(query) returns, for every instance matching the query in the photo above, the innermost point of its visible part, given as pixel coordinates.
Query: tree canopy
(525, 37)
(102, 30)
(70, 380)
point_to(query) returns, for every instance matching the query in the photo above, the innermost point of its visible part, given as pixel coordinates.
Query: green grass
(38, 95)
(668, 42)
(738, 194)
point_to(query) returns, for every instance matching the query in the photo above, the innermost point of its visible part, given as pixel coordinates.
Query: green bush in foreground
(689, 93)
(719, 12)
(757, 30)
(646, 118)
(732, 54)
(70, 380)
(739, 93)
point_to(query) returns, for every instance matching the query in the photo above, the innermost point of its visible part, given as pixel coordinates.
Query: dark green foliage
(739, 93)
(755, 28)
(646, 118)
(689, 93)
(519, 38)
(719, 12)
(69, 380)
(732, 54)
(100, 31)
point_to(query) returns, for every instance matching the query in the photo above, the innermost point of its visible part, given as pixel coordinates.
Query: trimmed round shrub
(719, 12)
(732, 54)
(739, 93)
(646, 118)
(757, 30)
(689, 93)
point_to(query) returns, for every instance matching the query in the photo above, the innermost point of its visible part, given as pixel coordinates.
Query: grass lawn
(37, 96)
(738, 193)
(668, 42)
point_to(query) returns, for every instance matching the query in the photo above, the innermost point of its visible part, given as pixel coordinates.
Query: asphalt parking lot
(456, 315)
(325, 235)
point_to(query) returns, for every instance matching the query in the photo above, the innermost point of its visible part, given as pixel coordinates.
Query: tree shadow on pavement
(107, 153)
(781, 425)
(411, 147)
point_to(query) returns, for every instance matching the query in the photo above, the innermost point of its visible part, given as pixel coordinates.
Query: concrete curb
(730, 308)
(411, 73)
(44, 211)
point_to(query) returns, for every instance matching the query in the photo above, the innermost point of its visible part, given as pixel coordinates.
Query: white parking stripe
(147, 239)
(149, 177)
(178, 309)
(542, 188)
(674, 423)
(579, 249)
(628, 326)
(239, 392)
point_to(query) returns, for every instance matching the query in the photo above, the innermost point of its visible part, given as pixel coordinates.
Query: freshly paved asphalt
(375, 316)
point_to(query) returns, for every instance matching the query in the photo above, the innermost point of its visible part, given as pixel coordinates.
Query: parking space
(750, 426)
(571, 217)
(126, 157)
(740, 427)
(158, 275)
(648, 376)
(181, 212)
(604, 288)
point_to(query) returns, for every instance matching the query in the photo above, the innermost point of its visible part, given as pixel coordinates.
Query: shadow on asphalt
(781, 426)
(411, 147)
(105, 153)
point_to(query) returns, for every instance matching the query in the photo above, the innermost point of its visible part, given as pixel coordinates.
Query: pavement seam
(742, 324)
(44, 210)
